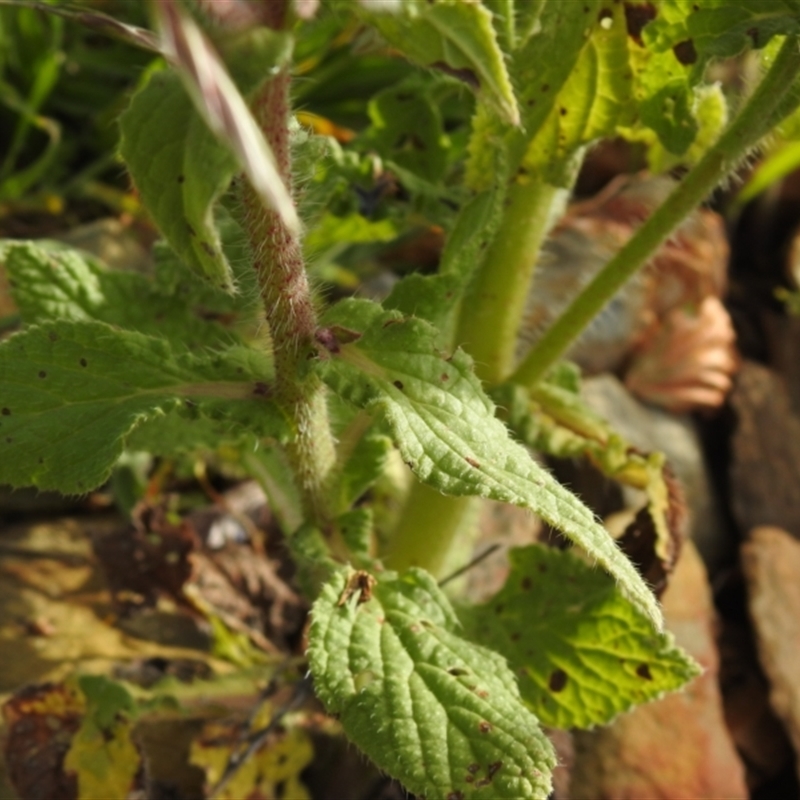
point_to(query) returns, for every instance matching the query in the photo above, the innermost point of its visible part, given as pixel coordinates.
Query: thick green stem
(753, 122)
(492, 311)
(428, 526)
(289, 310)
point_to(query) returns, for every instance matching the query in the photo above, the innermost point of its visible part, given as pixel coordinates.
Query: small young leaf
(446, 429)
(72, 392)
(437, 712)
(180, 170)
(583, 652)
(458, 37)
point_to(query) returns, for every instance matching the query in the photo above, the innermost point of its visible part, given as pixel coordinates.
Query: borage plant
(485, 142)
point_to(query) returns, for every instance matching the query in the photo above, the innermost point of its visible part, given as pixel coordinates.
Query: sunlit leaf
(583, 653)
(439, 713)
(446, 429)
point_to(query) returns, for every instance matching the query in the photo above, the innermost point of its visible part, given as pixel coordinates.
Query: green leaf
(437, 712)
(719, 28)
(583, 653)
(363, 467)
(407, 128)
(53, 282)
(446, 429)
(331, 230)
(72, 392)
(595, 98)
(180, 170)
(456, 35)
(474, 228)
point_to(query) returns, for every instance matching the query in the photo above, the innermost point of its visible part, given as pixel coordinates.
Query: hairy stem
(492, 311)
(289, 309)
(753, 122)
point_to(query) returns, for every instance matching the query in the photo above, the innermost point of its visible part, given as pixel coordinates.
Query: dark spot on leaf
(444, 376)
(484, 726)
(499, 608)
(261, 389)
(636, 17)
(557, 681)
(52, 336)
(181, 178)
(515, 637)
(472, 462)
(42, 373)
(398, 385)
(6, 412)
(463, 74)
(473, 768)
(391, 322)
(753, 34)
(41, 460)
(469, 778)
(605, 13)
(545, 87)
(207, 248)
(83, 362)
(586, 9)
(9, 439)
(685, 52)
(542, 568)
(426, 623)
(482, 693)
(527, 583)
(457, 671)
(493, 769)
(643, 671)
(563, 111)
(190, 229)
(455, 795)
(531, 103)
(414, 628)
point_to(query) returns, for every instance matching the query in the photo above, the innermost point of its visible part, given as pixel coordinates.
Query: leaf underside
(582, 652)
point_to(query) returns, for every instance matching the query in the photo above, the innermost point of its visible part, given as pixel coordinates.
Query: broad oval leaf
(446, 429)
(439, 713)
(72, 391)
(583, 653)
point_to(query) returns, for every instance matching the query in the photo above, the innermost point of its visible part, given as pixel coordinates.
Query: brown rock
(771, 564)
(677, 747)
(765, 476)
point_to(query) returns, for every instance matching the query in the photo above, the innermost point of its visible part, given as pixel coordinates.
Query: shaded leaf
(719, 28)
(458, 37)
(437, 712)
(71, 393)
(446, 429)
(582, 652)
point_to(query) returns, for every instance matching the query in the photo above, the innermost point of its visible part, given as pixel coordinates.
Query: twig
(475, 561)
